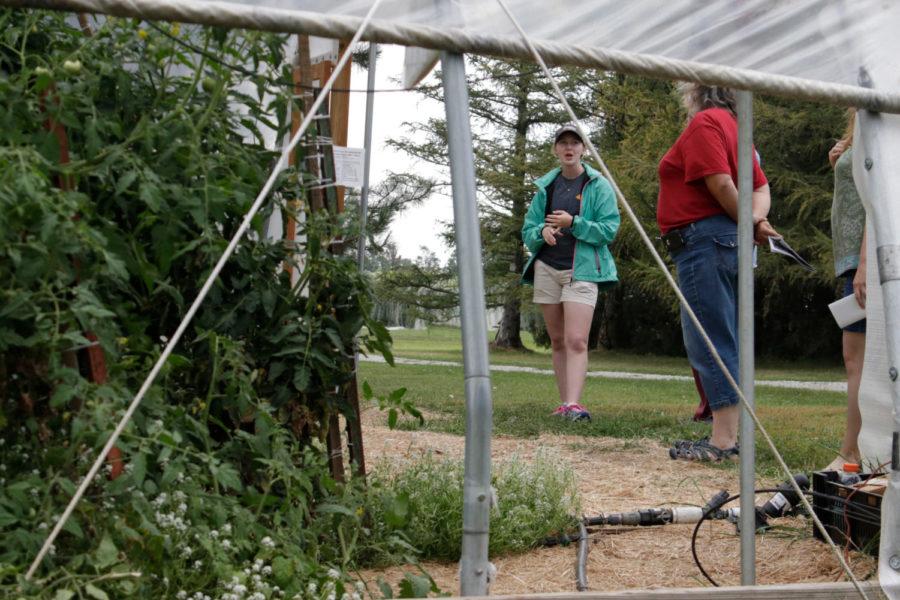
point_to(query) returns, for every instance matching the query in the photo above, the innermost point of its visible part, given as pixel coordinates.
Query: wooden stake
(340, 114)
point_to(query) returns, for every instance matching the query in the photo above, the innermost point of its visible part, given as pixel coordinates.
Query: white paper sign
(348, 166)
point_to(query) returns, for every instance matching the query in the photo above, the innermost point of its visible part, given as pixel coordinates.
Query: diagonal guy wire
(683, 300)
(201, 296)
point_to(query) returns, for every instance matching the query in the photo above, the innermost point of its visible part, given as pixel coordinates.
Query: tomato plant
(226, 488)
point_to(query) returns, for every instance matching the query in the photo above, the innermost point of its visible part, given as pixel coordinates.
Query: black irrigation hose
(709, 512)
(581, 566)
(860, 514)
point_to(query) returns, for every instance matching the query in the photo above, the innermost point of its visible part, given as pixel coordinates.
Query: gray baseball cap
(567, 128)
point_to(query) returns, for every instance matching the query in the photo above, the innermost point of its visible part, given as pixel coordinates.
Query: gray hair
(696, 97)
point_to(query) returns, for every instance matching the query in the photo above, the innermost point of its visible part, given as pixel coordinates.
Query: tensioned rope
(201, 296)
(684, 303)
(455, 39)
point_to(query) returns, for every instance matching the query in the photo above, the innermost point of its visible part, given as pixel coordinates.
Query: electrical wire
(712, 510)
(290, 83)
(846, 516)
(249, 73)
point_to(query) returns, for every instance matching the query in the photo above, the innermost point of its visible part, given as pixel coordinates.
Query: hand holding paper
(779, 246)
(847, 311)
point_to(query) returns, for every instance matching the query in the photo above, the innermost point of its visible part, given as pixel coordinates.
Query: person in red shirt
(697, 215)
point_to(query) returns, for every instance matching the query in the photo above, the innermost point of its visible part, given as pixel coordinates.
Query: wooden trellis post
(333, 125)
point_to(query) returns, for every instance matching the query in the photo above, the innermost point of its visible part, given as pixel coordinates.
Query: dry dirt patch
(619, 475)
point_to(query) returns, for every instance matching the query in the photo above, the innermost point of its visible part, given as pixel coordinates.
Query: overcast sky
(418, 226)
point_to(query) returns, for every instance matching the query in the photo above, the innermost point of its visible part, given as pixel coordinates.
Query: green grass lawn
(806, 425)
(445, 343)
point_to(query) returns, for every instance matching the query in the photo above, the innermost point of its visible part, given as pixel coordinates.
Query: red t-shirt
(707, 146)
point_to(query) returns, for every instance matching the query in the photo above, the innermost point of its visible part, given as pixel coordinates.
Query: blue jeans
(707, 269)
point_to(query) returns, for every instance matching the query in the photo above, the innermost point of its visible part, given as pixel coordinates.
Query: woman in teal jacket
(568, 228)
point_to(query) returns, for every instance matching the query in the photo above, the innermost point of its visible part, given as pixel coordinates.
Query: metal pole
(745, 334)
(364, 194)
(474, 566)
(361, 250)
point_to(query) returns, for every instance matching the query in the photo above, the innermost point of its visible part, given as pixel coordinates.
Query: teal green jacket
(594, 229)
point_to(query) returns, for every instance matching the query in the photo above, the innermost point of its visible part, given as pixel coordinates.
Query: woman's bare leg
(555, 322)
(725, 427)
(854, 347)
(578, 319)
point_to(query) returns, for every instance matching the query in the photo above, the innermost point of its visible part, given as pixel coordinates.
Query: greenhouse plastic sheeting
(826, 40)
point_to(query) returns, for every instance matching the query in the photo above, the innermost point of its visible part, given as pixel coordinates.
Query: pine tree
(642, 118)
(514, 114)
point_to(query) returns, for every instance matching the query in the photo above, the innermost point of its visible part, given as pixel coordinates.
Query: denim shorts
(859, 326)
(707, 268)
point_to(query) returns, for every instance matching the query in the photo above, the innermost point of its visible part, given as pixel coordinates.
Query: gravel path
(826, 386)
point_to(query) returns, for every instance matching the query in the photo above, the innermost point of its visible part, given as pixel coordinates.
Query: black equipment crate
(847, 512)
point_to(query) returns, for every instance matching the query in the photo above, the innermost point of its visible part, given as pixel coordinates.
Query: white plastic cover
(827, 40)
(875, 400)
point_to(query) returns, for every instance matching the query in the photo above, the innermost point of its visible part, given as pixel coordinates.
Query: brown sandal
(702, 451)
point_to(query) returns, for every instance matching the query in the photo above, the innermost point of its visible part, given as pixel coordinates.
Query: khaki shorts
(553, 287)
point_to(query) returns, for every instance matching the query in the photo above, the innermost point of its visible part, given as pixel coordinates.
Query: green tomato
(72, 67)
(208, 84)
(41, 71)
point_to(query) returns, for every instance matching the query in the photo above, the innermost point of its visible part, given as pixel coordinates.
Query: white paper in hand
(778, 245)
(847, 311)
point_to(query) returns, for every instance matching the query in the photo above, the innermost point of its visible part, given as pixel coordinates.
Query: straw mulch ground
(618, 475)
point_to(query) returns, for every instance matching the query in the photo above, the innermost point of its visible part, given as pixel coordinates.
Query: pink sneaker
(577, 412)
(561, 411)
(574, 412)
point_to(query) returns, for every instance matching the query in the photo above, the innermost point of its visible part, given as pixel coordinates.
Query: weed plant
(423, 501)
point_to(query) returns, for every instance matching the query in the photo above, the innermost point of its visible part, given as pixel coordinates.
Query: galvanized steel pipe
(745, 333)
(474, 565)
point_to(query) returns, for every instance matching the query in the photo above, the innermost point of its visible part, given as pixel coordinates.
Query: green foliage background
(634, 121)
(642, 118)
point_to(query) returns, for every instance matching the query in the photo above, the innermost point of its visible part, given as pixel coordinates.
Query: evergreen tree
(514, 114)
(394, 194)
(642, 118)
